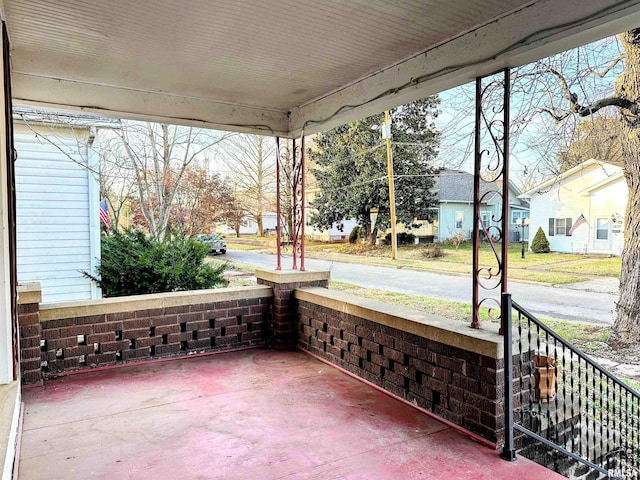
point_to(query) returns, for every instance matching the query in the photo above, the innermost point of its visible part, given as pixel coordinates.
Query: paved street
(594, 305)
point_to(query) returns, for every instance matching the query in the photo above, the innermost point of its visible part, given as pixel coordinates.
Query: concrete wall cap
(55, 311)
(29, 292)
(292, 276)
(485, 341)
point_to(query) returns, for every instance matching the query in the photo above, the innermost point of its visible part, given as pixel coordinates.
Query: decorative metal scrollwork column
(298, 204)
(290, 173)
(491, 180)
(278, 209)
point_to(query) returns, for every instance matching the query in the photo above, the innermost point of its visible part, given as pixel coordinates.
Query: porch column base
(282, 331)
(29, 298)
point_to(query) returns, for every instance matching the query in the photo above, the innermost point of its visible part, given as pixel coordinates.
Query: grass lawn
(583, 335)
(608, 267)
(455, 261)
(546, 268)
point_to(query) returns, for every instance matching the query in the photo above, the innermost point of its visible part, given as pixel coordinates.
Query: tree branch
(609, 68)
(593, 107)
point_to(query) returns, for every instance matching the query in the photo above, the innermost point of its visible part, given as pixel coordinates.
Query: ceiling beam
(38, 91)
(535, 31)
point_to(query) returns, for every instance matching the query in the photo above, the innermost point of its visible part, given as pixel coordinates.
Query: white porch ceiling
(280, 66)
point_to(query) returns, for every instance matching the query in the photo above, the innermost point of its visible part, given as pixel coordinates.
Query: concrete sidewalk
(256, 414)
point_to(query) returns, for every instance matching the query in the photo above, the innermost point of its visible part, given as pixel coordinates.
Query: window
(560, 226)
(516, 214)
(486, 218)
(602, 229)
(459, 219)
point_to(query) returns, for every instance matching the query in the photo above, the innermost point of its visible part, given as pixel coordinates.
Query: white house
(57, 204)
(581, 210)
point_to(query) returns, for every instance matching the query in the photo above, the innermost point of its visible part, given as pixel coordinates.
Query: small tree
(134, 264)
(356, 234)
(540, 244)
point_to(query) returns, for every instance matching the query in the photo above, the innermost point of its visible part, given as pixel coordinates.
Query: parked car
(216, 243)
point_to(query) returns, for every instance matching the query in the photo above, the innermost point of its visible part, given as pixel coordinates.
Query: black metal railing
(562, 409)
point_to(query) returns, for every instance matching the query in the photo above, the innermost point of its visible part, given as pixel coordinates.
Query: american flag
(579, 222)
(105, 219)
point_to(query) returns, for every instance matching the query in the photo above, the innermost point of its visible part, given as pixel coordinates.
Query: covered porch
(258, 413)
(280, 68)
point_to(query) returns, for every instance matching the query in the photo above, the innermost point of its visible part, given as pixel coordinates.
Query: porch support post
(298, 205)
(491, 178)
(282, 331)
(278, 211)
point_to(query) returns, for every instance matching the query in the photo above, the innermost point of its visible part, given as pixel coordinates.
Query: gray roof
(457, 186)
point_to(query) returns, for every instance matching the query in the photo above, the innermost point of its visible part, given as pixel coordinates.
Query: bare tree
(585, 103)
(158, 156)
(250, 160)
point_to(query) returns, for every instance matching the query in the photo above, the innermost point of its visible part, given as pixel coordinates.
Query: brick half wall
(438, 364)
(85, 335)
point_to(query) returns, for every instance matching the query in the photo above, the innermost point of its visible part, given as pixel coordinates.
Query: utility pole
(386, 134)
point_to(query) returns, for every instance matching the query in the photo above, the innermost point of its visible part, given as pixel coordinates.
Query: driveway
(593, 303)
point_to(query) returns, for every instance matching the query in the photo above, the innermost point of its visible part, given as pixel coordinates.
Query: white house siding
(574, 195)
(57, 221)
(608, 202)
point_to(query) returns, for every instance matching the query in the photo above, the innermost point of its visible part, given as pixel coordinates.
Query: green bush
(356, 234)
(404, 238)
(540, 244)
(134, 264)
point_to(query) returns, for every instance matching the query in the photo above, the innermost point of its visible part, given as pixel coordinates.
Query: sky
(537, 136)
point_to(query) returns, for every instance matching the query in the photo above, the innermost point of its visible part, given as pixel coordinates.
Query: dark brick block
(107, 327)
(453, 364)
(146, 342)
(226, 340)
(30, 331)
(164, 320)
(28, 342)
(364, 332)
(136, 324)
(252, 336)
(32, 376)
(62, 343)
(25, 319)
(50, 334)
(71, 363)
(169, 349)
(468, 384)
(90, 319)
(101, 337)
(30, 364)
(61, 322)
(76, 330)
(101, 358)
(148, 313)
(119, 316)
(198, 325)
(114, 346)
(235, 329)
(180, 309)
(226, 322)
(167, 329)
(135, 333)
(252, 318)
(26, 308)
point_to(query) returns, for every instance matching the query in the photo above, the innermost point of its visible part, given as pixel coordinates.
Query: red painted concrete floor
(256, 414)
